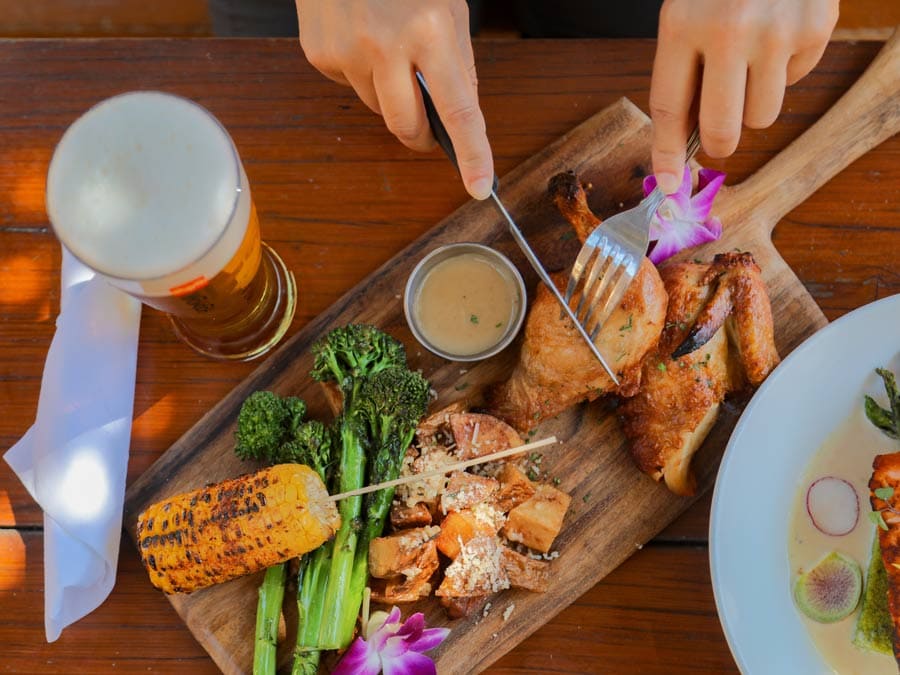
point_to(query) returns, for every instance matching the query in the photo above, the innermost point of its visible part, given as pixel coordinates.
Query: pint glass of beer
(148, 190)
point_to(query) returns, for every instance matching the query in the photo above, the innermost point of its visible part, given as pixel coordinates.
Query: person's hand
(375, 46)
(742, 54)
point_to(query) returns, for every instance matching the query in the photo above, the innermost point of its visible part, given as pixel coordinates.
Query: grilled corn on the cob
(236, 527)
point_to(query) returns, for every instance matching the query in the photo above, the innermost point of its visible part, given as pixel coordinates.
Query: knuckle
(775, 38)
(663, 112)
(407, 130)
(674, 18)
(760, 118)
(465, 115)
(430, 23)
(719, 140)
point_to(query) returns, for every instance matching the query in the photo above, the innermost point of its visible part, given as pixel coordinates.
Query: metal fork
(620, 244)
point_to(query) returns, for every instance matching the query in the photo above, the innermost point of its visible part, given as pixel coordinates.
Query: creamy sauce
(466, 304)
(847, 454)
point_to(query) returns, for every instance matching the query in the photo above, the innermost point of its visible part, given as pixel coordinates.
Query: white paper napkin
(73, 460)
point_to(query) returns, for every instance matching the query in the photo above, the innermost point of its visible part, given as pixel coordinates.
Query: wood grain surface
(339, 197)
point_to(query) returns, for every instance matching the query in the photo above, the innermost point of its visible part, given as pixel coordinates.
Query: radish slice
(833, 506)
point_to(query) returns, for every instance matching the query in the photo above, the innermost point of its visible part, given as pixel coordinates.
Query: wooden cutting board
(615, 509)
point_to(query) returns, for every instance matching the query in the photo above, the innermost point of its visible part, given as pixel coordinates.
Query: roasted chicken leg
(718, 337)
(556, 369)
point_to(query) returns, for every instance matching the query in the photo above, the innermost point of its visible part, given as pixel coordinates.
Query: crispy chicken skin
(886, 473)
(556, 369)
(697, 363)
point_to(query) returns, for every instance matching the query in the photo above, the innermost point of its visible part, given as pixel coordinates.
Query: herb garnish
(474, 319)
(886, 420)
(628, 324)
(877, 517)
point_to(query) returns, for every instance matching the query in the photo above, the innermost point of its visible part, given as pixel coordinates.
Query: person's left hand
(742, 53)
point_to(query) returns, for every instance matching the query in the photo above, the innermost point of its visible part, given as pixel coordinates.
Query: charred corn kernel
(236, 527)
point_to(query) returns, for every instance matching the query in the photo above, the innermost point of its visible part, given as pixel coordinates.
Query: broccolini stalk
(268, 614)
(347, 356)
(271, 429)
(390, 405)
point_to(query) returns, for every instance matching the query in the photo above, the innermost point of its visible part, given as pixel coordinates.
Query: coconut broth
(847, 454)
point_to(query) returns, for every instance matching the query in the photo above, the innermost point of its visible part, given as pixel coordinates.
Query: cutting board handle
(866, 115)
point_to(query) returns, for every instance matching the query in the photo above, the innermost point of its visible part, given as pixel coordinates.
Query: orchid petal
(361, 659)
(413, 626)
(377, 619)
(649, 184)
(702, 201)
(411, 663)
(706, 176)
(682, 236)
(429, 639)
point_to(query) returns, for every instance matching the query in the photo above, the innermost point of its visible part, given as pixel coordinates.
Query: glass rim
(238, 191)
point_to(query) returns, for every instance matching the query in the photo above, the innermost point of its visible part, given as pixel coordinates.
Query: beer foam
(143, 184)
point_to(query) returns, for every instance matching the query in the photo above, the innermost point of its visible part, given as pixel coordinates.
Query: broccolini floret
(348, 354)
(265, 422)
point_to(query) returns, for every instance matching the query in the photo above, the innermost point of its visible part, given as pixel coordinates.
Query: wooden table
(337, 196)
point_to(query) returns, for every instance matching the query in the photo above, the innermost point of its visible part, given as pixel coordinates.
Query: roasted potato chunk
(515, 488)
(526, 573)
(464, 490)
(391, 556)
(458, 608)
(536, 522)
(404, 517)
(477, 435)
(477, 570)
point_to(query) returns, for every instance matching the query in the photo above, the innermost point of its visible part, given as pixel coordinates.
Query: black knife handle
(437, 126)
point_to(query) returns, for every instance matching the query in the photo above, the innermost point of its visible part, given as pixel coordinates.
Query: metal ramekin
(442, 253)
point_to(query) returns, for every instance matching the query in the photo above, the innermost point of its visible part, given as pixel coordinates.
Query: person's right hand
(375, 46)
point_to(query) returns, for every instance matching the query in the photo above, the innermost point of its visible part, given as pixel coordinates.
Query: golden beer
(148, 190)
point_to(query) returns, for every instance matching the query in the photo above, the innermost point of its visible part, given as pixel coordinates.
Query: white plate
(812, 392)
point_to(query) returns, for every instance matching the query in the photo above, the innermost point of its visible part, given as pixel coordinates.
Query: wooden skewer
(449, 468)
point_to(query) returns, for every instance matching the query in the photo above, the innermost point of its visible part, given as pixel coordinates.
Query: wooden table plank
(326, 175)
(657, 597)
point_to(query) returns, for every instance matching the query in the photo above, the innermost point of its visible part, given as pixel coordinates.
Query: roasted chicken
(718, 337)
(556, 369)
(886, 474)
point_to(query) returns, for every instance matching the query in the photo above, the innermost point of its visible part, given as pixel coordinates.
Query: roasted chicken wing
(718, 337)
(556, 369)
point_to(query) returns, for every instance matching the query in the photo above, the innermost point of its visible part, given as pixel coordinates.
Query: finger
(334, 76)
(365, 89)
(722, 104)
(672, 91)
(401, 105)
(765, 92)
(801, 63)
(457, 105)
(460, 12)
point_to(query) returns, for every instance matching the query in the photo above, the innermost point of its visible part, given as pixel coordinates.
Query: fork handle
(438, 128)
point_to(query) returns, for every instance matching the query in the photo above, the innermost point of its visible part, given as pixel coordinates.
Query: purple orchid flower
(683, 221)
(391, 647)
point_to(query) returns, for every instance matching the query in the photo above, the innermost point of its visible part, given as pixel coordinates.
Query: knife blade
(443, 139)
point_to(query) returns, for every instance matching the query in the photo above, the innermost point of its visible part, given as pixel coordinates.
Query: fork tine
(615, 297)
(610, 276)
(584, 256)
(598, 271)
